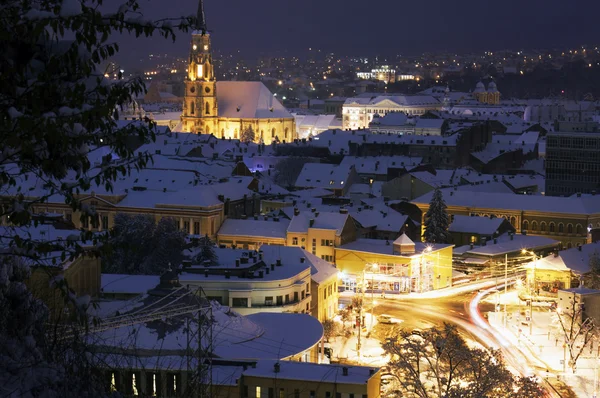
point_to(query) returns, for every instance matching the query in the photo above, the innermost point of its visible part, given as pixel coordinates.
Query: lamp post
(374, 267)
(532, 289)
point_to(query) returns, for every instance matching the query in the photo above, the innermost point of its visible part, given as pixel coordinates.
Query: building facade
(572, 163)
(358, 112)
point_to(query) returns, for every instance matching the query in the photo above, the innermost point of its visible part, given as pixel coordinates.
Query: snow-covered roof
(575, 259)
(478, 225)
(323, 175)
(391, 119)
(257, 336)
(581, 291)
(403, 240)
(381, 246)
(398, 100)
(128, 284)
(441, 178)
(324, 220)
(248, 100)
(306, 371)
(380, 164)
(255, 228)
(499, 201)
(494, 150)
(429, 123)
(506, 245)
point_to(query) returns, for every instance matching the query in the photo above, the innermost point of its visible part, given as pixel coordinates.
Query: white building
(358, 112)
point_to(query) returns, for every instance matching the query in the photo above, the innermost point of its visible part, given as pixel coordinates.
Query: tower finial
(200, 20)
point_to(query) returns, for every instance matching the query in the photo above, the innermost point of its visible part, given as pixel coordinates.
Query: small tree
(437, 363)
(575, 328)
(346, 316)
(593, 277)
(247, 135)
(436, 220)
(287, 171)
(329, 329)
(207, 255)
(141, 246)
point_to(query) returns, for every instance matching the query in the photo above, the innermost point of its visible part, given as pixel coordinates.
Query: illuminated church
(228, 109)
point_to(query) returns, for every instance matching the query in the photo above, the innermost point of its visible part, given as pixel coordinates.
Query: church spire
(200, 20)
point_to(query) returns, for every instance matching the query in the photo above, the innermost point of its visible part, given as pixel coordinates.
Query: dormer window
(206, 47)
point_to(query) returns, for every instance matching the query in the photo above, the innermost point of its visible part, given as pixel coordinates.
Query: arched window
(579, 229)
(551, 227)
(222, 133)
(207, 108)
(569, 228)
(273, 133)
(513, 221)
(534, 226)
(561, 228)
(235, 134)
(192, 108)
(543, 226)
(525, 225)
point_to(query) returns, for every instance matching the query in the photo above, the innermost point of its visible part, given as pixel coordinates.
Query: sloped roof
(477, 225)
(248, 100)
(257, 228)
(325, 220)
(403, 240)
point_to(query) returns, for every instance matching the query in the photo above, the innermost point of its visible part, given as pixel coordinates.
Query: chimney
(296, 211)
(272, 267)
(261, 274)
(451, 193)
(260, 255)
(472, 246)
(387, 242)
(237, 263)
(555, 254)
(344, 371)
(313, 209)
(279, 262)
(512, 236)
(316, 214)
(302, 259)
(277, 367)
(311, 222)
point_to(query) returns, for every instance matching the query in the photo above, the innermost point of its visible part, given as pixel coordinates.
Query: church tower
(200, 112)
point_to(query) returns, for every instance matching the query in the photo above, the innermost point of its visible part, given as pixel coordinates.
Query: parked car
(387, 319)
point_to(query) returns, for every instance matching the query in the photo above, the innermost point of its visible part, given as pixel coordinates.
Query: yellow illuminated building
(229, 109)
(400, 266)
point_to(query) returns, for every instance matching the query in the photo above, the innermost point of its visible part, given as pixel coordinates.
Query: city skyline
(328, 26)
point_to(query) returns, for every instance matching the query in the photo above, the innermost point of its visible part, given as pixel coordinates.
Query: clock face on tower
(207, 89)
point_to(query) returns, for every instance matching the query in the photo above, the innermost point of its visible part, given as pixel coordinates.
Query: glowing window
(200, 71)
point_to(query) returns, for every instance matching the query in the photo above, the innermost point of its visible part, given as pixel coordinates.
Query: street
(466, 312)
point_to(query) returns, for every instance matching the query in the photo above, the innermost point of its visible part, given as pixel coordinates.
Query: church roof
(248, 100)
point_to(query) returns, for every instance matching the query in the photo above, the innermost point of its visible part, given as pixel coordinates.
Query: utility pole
(505, 286)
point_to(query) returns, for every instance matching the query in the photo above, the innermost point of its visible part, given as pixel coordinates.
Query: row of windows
(552, 227)
(269, 392)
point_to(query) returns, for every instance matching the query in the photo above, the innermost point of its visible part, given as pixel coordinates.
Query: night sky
(357, 27)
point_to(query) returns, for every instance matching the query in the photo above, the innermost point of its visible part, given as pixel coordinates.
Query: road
(457, 310)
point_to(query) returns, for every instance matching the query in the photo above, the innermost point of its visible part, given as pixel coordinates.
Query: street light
(532, 290)
(374, 267)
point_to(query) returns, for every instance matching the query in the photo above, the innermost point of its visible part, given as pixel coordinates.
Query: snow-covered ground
(544, 349)
(345, 348)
